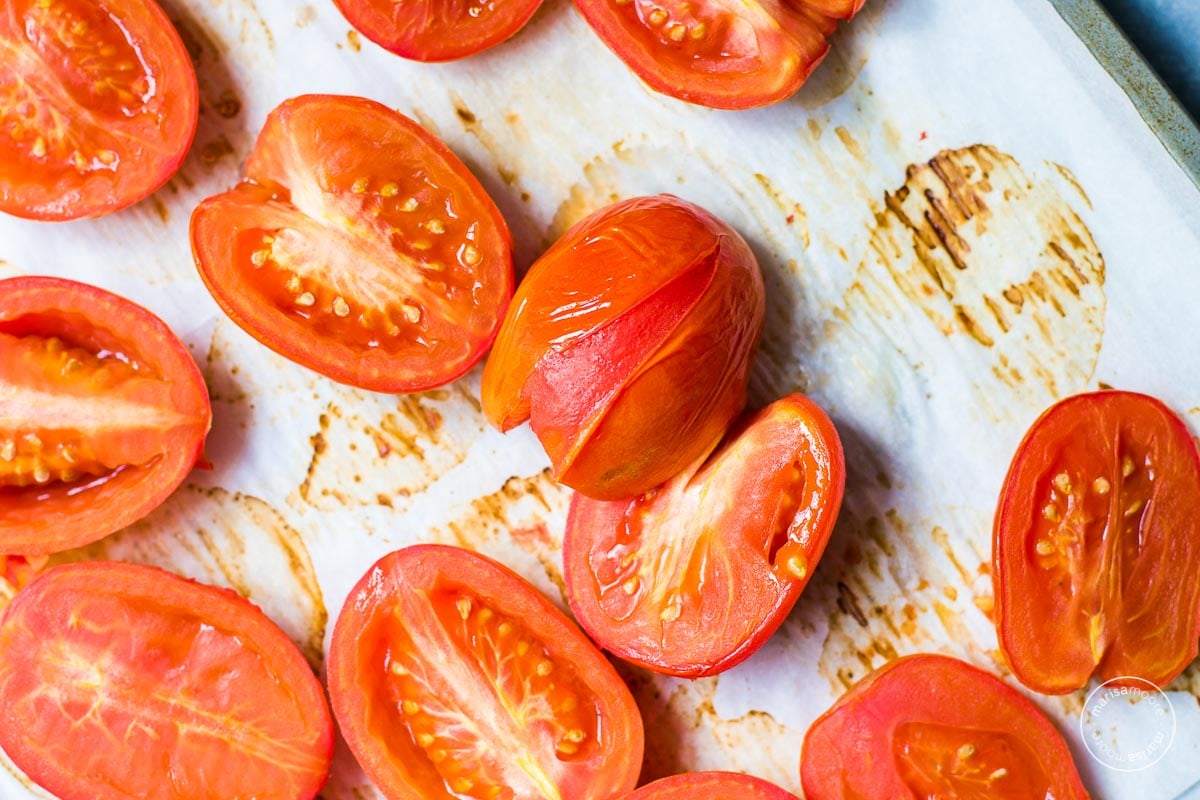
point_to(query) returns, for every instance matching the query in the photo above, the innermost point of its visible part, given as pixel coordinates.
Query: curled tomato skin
(452, 677)
(119, 681)
(98, 106)
(629, 344)
(437, 30)
(691, 578)
(709, 786)
(1096, 544)
(103, 413)
(718, 53)
(933, 726)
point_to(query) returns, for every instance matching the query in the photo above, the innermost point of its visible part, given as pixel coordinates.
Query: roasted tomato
(719, 53)
(453, 677)
(98, 105)
(628, 345)
(438, 30)
(933, 726)
(359, 246)
(121, 681)
(710, 786)
(1097, 543)
(103, 413)
(692, 577)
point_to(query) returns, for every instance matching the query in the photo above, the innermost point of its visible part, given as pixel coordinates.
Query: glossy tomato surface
(98, 105)
(692, 577)
(710, 786)
(359, 246)
(719, 53)
(103, 413)
(120, 681)
(1097, 545)
(437, 30)
(628, 345)
(933, 726)
(453, 677)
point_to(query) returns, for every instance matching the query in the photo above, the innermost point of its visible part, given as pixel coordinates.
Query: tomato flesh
(438, 30)
(710, 786)
(1095, 545)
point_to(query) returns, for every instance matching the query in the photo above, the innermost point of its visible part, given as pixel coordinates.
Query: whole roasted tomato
(359, 246)
(98, 105)
(718, 53)
(103, 413)
(437, 30)
(628, 345)
(930, 726)
(692, 577)
(1097, 545)
(709, 786)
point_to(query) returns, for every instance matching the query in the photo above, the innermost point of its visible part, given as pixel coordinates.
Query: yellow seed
(470, 255)
(1044, 547)
(670, 613)
(998, 774)
(359, 186)
(422, 244)
(294, 285)
(341, 307)
(966, 751)
(631, 586)
(1101, 486)
(72, 366)
(575, 735)
(1134, 507)
(504, 629)
(462, 785)
(40, 473)
(389, 189)
(435, 266)
(522, 648)
(567, 748)
(1050, 512)
(425, 740)
(623, 2)
(699, 32)
(437, 756)
(435, 226)
(544, 668)
(409, 707)
(485, 614)
(1126, 467)
(797, 566)
(627, 560)
(463, 605)
(1063, 481)
(39, 147)
(411, 313)
(306, 299)
(259, 257)
(68, 475)
(396, 668)
(8, 450)
(657, 17)
(570, 703)
(79, 161)
(494, 792)
(268, 239)
(66, 454)
(106, 157)
(410, 204)
(676, 32)
(33, 441)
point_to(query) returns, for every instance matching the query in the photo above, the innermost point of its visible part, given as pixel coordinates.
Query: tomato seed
(657, 17)
(1101, 486)
(341, 307)
(306, 299)
(389, 189)
(1126, 467)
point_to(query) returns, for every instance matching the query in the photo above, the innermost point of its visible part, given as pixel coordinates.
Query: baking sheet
(1065, 252)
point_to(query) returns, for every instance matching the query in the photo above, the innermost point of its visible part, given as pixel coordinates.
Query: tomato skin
(1095, 546)
(710, 786)
(628, 345)
(57, 516)
(692, 578)
(934, 726)
(115, 146)
(426, 593)
(359, 246)
(171, 676)
(437, 30)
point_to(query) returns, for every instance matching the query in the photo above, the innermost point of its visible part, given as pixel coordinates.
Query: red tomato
(933, 726)
(359, 246)
(438, 30)
(98, 105)
(103, 413)
(716, 53)
(628, 345)
(1097, 543)
(710, 786)
(691, 578)
(453, 677)
(120, 681)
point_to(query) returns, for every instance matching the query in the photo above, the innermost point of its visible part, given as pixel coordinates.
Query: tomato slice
(719, 53)
(1096, 543)
(103, 413)
(933, 726)
(98, 105)
(629, 344)
(358, 246)
(691, 578)
(438, 30)
(121, 681)
(453, 677)
(710, 786)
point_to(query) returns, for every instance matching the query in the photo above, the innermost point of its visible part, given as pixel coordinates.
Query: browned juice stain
(160, 209)
(354, 40)
(232, 540)
(212, 152)
(499, 154)
(793, 213)
(227, 104)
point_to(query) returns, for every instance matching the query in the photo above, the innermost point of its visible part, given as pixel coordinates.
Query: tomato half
(692, 577)
(453, 677)
(719, 53)
(438, 30)
(359, 246)
(103, 413)
(98, 105)
(933, 726)
(628, 345)
(710, 786)
(1096, 545)
(120, 681)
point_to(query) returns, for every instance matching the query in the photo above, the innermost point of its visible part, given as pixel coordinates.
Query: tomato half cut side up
(691, 578)
(719, 53)
(103, 413)
(437, 30)
(1096, 545)
(453, 677)
(710, 786)
(934, 726)
(121, 681)
(358, 246)
(98, 105)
